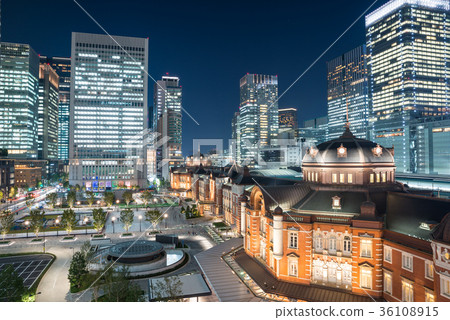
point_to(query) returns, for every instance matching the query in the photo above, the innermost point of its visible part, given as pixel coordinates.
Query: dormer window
(377, 151)
(336, 203)
(342, 152)
(313, 152)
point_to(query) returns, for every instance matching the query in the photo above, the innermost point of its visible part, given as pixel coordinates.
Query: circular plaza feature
(132, 252)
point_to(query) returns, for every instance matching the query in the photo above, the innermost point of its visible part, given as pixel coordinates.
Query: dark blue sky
(210, 45)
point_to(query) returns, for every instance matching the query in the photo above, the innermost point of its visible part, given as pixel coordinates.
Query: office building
(19, 81)
(408, 43)
(108, 111)
(48, 113)
(234, 145)
(347, 93)
(62, 67)
(167, 119)
(258, 114)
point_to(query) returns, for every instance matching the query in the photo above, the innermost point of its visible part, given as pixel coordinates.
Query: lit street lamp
(140, 220)
(85, 223)
(27, 223)
(112, 220)
(57, 227)
(165, 221)
(78, 203)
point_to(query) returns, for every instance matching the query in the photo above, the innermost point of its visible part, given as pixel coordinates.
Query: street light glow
(113, 219)
(140, 217)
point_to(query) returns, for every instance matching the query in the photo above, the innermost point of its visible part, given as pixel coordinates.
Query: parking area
(28, 267)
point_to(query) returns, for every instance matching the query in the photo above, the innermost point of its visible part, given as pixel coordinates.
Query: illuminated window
(366, 248)
(317, 177)
(378, 177)
(429, 269)
(334, 178)
(372, 178)
(342, 178)
(429, 296)
(407, 291)
(387, 282)
(293, 267)
(445, 286)
(309, 176)
(366, 278)
(350, 178)
(383, 177)
(336, 202)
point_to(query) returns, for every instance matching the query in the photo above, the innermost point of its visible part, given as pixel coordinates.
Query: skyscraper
(62, 68)
(236, 138)
(408, 43)
(19, 75)
(258, 120)
(167, 119)
(108, 111)
(48, 113)
(287, 123)
(347, 80)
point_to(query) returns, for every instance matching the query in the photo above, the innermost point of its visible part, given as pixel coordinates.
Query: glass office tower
(408, 42)
(19, 76)
(62, 67)
(108, 111)
(48, 113)
(167, 119)
(347, 81)
(258, 114)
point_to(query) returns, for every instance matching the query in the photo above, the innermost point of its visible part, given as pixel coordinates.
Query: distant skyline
(209, 45)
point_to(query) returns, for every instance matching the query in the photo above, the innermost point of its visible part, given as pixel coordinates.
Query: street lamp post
(112, 220)
(140, 220)
(85, 223)
(165, 221)
(57, 227)
(27, 223)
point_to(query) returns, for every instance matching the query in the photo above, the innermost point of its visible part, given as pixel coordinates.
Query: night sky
(210, 45)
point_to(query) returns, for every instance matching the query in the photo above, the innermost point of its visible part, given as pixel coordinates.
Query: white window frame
(366, 247)
(428, 264)
(293, 240)
(387, 286)
(407, 257)
(349, 242)
(429, 296)
(366, 278)
(293, 266)
(387, 254)
(350, 178)
(407, 291)
(445, 286)
(332, 243)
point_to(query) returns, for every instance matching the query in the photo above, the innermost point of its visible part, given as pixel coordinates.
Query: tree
(71, 198)
(99, 217)
(77, 269)
(90, 198)
(146, 196)
(167, 289)
(36, 221)
(12, 288)
(52, 198)
(127, 197)
(6, 222)
(127, 218)
(12, 192)
(118, 288)
(153, 216)
(109, 198)
(68, 220)
(77, 188)
(1, 194)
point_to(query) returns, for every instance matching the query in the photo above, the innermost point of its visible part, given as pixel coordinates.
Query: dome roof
(351, 150)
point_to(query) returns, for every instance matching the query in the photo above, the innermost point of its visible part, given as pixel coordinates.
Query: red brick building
(348, 227)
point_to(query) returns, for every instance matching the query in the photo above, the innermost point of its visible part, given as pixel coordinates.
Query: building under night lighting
(108, 111)
(408, 42)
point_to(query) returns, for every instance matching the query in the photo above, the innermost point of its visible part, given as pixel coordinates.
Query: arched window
(347, 245)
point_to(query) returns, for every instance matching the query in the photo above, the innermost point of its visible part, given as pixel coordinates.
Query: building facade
(258, 114)
(408, 42)
(48, 121)
(167, 121)
(62, 68)
(19, 82)
(347, 88)
(108, 111)
(348, 227)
